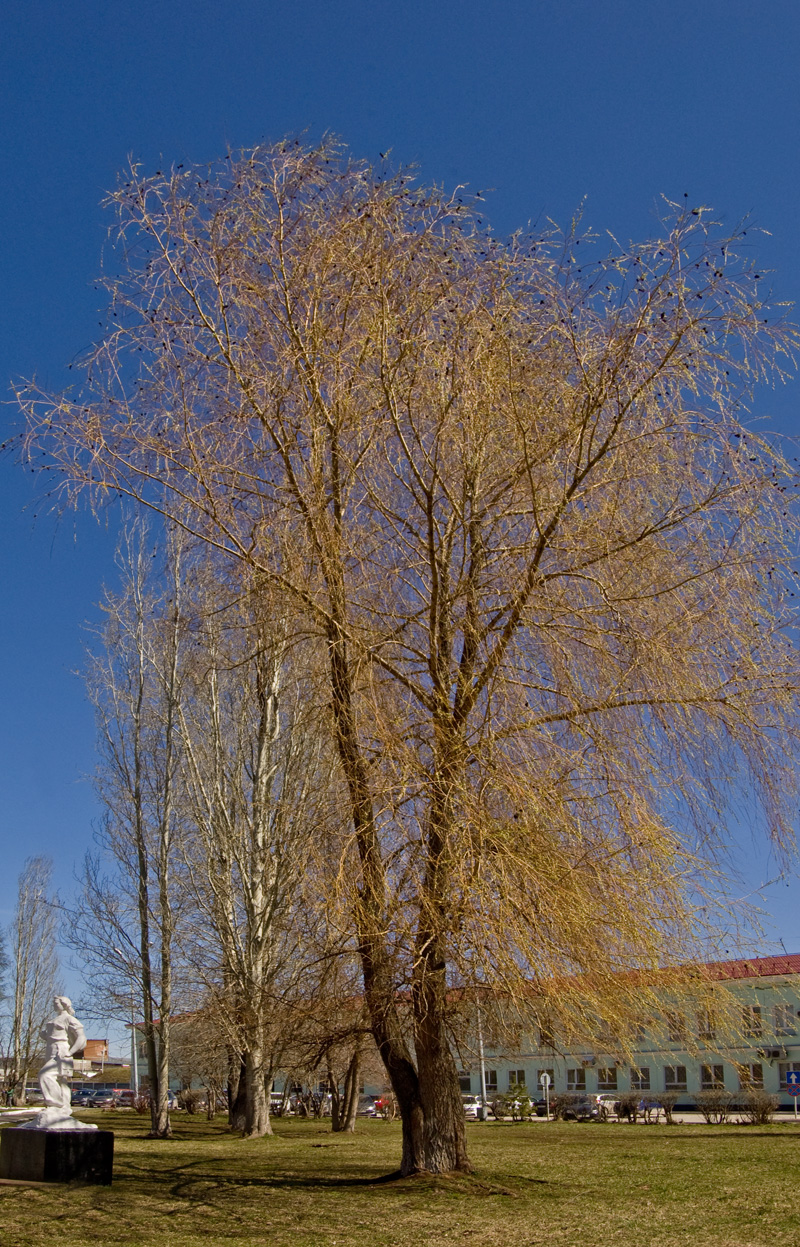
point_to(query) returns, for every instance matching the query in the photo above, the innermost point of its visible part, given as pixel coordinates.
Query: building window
(706, 1028)
(638, 1032)
(751, 1021)
(546, 1036)
(784, 1069)
(576, 1080)
(607, 1079)
(712, 1077)
(516, 1078)
(785, 1021)
(464, 1081)
(674, 1077)
(640, 1079)
(751, 1077)
(491, 1081)
(539, 1087)
(676, 1027)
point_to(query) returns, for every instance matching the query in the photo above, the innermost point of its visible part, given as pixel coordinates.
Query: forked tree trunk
(433, 1131)
(344, 1103)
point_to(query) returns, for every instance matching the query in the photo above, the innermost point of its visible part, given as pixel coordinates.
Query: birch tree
(513, 495)
(257, 770)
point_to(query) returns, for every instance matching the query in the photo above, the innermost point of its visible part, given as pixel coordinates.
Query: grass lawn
(537, 1183)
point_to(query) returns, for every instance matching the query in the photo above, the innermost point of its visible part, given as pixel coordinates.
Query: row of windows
(754, 1024)
(712, 1077)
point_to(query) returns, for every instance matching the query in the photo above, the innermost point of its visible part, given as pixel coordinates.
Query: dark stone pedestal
(57, 1155)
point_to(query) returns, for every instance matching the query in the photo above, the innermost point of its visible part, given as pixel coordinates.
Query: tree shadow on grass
(180, 1179)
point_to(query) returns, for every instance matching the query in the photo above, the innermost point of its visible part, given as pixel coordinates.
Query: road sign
(544, 1079)
(793, 1088)
(793, 1082)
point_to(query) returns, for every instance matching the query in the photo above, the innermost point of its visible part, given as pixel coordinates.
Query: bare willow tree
(34, 965)
(513, 493)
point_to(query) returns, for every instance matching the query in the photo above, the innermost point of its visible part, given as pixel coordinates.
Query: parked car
(608, 1103)
(582, 1108)
(471, 1105)
(101, 1099)
(366, 1106)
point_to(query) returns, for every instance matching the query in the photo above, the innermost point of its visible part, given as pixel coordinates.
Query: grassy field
(574, 1184)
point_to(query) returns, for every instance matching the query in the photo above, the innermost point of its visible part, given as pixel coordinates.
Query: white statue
(63, 1036)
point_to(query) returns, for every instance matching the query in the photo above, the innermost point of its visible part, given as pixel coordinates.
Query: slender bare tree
(512, 493)
(257, 787)
(126, 926)
(34, 965)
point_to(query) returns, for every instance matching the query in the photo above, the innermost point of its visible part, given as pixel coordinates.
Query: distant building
(95, 1050)
(681, 1052)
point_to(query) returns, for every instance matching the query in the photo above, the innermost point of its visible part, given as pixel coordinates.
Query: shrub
(715, 1105)
(559, 1104)
(193, 1099)
(668, 1100)
(757, 1107)
(628, 1105)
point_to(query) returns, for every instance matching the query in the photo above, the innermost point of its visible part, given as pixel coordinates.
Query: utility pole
(482, 1062)
(134, 1053)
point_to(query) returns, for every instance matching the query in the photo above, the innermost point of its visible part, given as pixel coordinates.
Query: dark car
(101, 1099)
(583, 1108)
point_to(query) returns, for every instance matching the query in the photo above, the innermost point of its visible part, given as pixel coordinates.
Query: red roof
(754, 967)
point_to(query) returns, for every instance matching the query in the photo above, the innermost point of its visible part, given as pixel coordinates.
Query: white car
(471, 1105)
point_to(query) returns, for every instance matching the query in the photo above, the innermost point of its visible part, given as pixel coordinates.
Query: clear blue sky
(544, 103)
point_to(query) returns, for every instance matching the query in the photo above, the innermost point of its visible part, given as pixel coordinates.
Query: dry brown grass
(534, 1184)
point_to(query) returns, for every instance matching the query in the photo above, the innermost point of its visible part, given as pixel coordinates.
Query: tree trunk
(444, 1138)
(336, 1098)
(257, 1122)
(379, 985)
(237, 1093)
(350, 1098)
(161, 1126)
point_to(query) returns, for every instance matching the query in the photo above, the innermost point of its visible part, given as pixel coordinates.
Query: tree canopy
(510, 493)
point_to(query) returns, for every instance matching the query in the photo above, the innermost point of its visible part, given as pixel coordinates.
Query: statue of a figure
(63, 1036)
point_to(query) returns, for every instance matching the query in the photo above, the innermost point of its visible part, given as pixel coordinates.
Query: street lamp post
(134, 1052)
